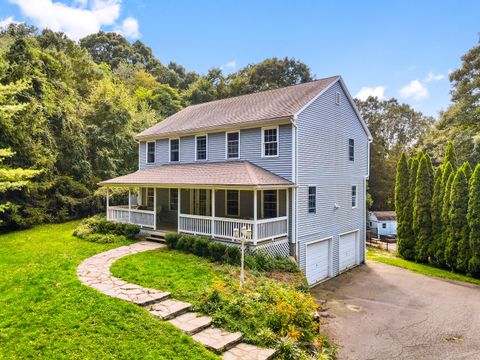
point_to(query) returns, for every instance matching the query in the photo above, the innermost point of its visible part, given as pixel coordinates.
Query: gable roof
(251, 109)
(221, 174)
(385, 215)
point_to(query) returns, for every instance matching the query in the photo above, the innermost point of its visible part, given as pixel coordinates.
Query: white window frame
(150, 197)
(353, 155)
(308, 199)
(384, 225)
(356, 196)
(277, 204)
(206, 147)
(337, 98)
(226, 145)
(226, 203)
(263, 141)
(170, 199)
(170, 149)
(154, 152)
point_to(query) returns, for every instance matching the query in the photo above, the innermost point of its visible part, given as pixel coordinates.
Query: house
(383, 223)
(290, 164)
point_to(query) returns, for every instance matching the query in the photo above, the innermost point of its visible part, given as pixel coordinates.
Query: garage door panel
(318, 261)
(347, 250)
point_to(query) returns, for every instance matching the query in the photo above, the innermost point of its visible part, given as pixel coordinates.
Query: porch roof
(220, 174)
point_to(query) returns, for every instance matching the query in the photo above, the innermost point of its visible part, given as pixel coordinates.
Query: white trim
(154, 152)
(330, 257)
(255, 215)
(308, 200)
(263, 141)
(206, 147)
(154, 208)
(170, 149)
(348, 150)
(226, 145)
(356, 196)
(226, 203)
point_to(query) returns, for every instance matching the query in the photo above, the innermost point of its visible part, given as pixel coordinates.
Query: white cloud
(7, 21)
(231, 64)
(433, 77)
(414, 90)
(366, 91)
(129, 28)
(78, 19)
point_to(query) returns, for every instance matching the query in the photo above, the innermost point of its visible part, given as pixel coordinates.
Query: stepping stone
(244, 351)
(168, 309)
(190, 323)
(146, 299)
(217, 340)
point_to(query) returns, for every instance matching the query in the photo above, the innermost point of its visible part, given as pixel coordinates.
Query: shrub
(233, 255)
(217, 251)
(171, 240)
(104, 238)
(99, 225)
(200, 246)
(185, 243)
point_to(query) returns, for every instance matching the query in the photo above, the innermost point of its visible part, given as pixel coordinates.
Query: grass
(392, 259)
(46, 313)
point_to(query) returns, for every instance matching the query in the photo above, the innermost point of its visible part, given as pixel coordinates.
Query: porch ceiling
(222, 174)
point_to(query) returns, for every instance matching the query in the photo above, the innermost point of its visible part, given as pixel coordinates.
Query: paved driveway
(384, 312)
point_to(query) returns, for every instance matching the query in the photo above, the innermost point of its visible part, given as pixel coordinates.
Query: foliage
(46, 313)
(395, 129)
(406, 242)
(440, 255)
(93, 228)
(450, 156)
(474, 223)
(436, 211)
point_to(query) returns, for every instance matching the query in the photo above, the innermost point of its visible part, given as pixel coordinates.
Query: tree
(474, 223)
(200, 91)
(395, 128)
(440, 248)
(450, 156)
(422, 218)
(406, 241)
(437, 202)
(467, 169)
(456, 251)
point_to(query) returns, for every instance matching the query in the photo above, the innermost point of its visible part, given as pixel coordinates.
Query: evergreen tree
(450, 155)
(422, 217)
(406, 241)
(431, 171)
(456, 250)
(445, 218)
(412, 179)
(467, 169)
(474, 223)
(436, 214)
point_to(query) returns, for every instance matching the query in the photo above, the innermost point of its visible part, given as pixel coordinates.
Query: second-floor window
(351, 149)
(312, 199)
(201, 147)
(174, 150)
(233, 145)
(270, 142)
(354, 196)
(151, 152)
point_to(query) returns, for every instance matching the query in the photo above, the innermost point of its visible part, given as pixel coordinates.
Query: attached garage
(318, 260)
(348, 250)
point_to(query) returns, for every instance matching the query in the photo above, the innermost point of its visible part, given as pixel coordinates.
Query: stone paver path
(95, 272)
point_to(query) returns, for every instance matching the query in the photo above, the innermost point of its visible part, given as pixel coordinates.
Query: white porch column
(212, 230)
(287, 196)
(154, 208)
(129, 206)
(108, 203)
(255, 226)
(179, 208)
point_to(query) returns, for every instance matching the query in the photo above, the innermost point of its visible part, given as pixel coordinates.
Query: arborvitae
(412, 179)
(468, 170)
(422, 216)
(456, 250)
(474, 223)
(450, 156)
(430, 169)
(440, 247)
(436, 214)
(406, 241)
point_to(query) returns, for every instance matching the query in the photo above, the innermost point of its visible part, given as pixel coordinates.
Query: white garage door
(318, 261)
(348, 250)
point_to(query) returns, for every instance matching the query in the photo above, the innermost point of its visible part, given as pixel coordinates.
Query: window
(371, 224)
(233, 200)
(354, 196)
(174, 150)
(202, 202)
(384, 225)
(150, 198)
(312, 199)
(150, 152)
(337, 98)
(351, 149)
(233, 145)
(173, 199)
(270, 142)
(201, 147)
(269, 203)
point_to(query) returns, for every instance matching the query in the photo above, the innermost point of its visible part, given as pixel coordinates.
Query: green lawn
(391, 259)
(45, 312)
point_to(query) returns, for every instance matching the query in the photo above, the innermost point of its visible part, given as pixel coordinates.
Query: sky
(403, 49)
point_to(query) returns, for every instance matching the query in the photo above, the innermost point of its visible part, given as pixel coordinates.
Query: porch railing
(144, 218)
(223, 227)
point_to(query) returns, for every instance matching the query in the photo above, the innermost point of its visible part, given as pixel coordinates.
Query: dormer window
(150, 152)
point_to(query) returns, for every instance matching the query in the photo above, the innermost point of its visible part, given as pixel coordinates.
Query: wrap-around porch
(209, 212)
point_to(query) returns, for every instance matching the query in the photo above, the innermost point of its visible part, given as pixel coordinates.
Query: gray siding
(323, 132)
(250, 150)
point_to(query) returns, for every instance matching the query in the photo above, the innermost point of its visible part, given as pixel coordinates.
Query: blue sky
(401, 49)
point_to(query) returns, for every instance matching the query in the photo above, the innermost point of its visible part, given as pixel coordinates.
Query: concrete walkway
(95, 272)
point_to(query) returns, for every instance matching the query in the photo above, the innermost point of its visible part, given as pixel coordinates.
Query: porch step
(217, 340)
(156, 237)
(168, 309)
(190, 323)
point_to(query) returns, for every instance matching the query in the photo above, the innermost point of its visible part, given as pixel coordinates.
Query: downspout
(295, 181)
